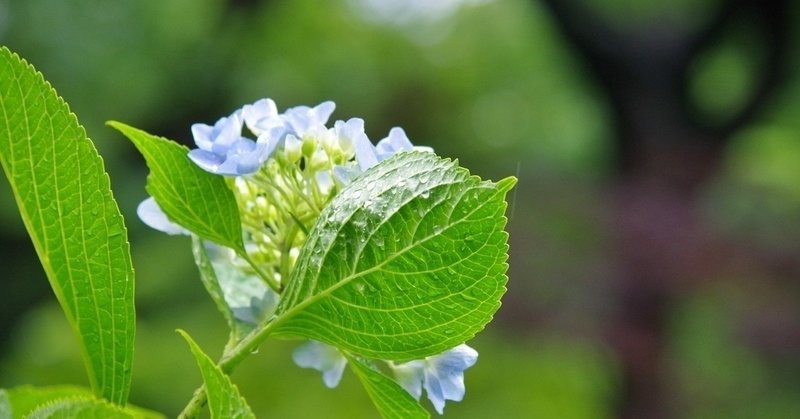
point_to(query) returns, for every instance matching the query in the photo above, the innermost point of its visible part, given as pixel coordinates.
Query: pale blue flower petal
(207, 160)
(349, 133)
(410, 376)
(321, 357)
(258, 111)
(345, 175)
(444, 375)
(222, 149)
(396, 141)
(366, 156)
(152, 215)
(441, 375)
(303, 118)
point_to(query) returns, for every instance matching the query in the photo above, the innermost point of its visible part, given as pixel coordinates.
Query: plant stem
(269, 279)
(230, 360)
(197, 402)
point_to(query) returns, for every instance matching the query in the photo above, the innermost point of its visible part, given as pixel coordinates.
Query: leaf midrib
(295, 309)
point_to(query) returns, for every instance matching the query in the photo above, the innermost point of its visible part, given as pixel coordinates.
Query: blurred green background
(633, 287)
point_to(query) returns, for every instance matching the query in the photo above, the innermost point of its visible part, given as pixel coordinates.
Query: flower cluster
(441, 375)
(282, 176)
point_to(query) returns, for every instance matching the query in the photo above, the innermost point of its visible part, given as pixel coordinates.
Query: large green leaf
(199, 201)
(392, 401)
(65, 200)
(407, 261)
(21, 402)
(224, 400)
(84, 408)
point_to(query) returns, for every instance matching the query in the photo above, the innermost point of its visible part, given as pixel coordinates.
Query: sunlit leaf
(199, 201)
(392, 401)
(224, 400)
(406, 262)
(63, 401)
(65, 201)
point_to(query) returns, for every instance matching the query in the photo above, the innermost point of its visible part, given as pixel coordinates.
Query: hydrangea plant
(384, 258)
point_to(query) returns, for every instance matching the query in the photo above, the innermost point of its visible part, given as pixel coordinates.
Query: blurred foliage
(493, 84)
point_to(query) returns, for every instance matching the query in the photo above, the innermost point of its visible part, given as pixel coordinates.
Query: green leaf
(407, 261)
(65, 201)
(199, 201)
(392, 401)
(21, 402)
(224, 400)
(244, 300)
(84, 408)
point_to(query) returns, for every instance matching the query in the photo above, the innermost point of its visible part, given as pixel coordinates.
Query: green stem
(269, 279)
(230, 360)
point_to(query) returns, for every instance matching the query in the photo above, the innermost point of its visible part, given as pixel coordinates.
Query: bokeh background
(655, 229)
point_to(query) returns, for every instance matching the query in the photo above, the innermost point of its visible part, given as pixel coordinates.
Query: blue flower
(441, 375)
(222, 149)
(257, 114)
(368, 155)
(303, 118)
(152, 215)
(321, 357)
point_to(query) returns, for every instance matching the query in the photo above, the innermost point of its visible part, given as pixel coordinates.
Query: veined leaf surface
(199, 201)
(224, 400)
(65, 201)
(407, 261)
(391, 400)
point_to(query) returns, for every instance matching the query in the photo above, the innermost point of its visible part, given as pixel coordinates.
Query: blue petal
(202, 136)
(152, 215)
(229, 131)
(303, 118)
(321, 357)
(410, 376)
(349, 133)
(207, 160)
(434, 389)
(444, 375)
(366, 156)
(396, 141)
(253, 114)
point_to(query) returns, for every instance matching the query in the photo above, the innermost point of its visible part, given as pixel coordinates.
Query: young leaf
(199, 201)
(85, 408)
(392, 401)
(224, 400)
(407, 261)
(65, 201)
(21, 402)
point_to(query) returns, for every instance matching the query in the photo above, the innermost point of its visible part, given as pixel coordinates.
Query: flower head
(283, 178)
(321, 357)
(223, 150)
(441, 375)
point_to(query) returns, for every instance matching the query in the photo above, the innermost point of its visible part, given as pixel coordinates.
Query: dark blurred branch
(664, 156)
(639, 62)
(772, 19)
